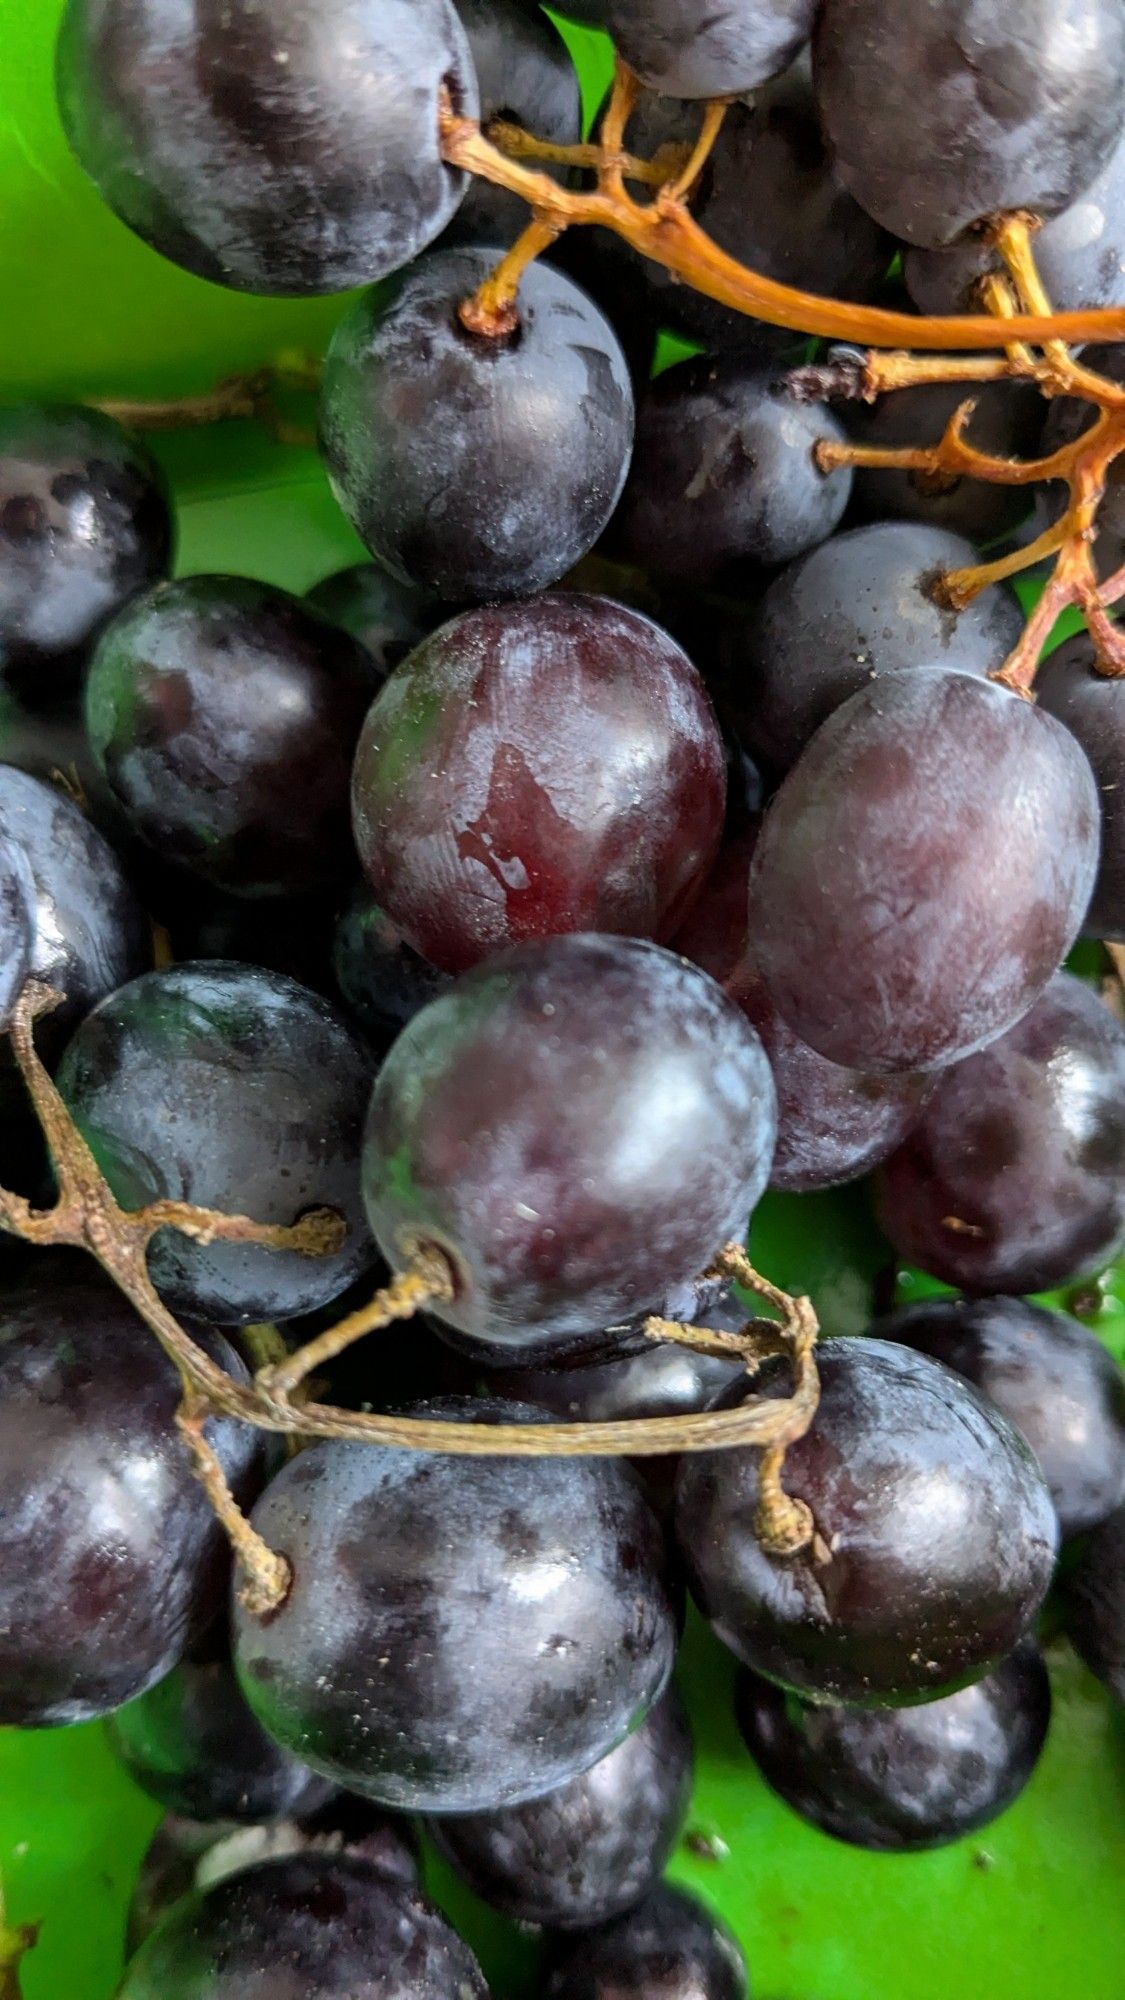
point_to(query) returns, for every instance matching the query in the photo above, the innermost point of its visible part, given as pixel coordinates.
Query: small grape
(1094, 1599)
(387, 616)
(1092, 706)
(524, 76)
(382, 979)
(733, 47)
(670, 1945)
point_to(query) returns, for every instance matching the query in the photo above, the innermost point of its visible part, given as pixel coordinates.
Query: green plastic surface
(1032, 1909)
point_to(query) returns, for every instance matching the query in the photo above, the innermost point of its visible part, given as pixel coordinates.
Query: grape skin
(1094, 1598)
(387, 616)
(538, 768)
(670, 1945)
(1013, 1179)
(1092, 706)
(733, 47)
(936, 1516)
(266, 145)
(525, 76)
(931, 856)
(578, 1125)
(944, 114)
(382, 980)
(903, 1779)
(474, 467)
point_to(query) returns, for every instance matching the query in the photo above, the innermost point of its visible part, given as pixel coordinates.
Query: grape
(382, 979)
(1007, 422)
(669, 1946)
(537, 768)
(476, 466)
(387, 616)
(734, 46)
(938, 1531)
(594, 1847)
(723, 475)
(84, 523)
(111, 1560)
(236, 1089)
(460, 1634)
(902, 1779)
(525, 76)
(714, 935)
(1051, 1378)
(833, 1124)
(578, 1126)
(317, 1926)
(1094, 1595)
(193, 1745)
(1080, 255)
(212, 705)
(188, 1854)
(942, 115)
(922, 871)
(264, 144)
(1013, 1179)
(629, 1375)
(1092, 706)
(858, 606)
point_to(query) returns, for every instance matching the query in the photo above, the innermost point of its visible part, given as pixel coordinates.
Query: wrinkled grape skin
(387, 616)
(383, 981)
(1092, 706)
(723, 475)
(856, 607)
(524, 75)
(578, 1125)
(669, 1946)
(538, 768)
(592, 1849)
(461, 1634)
(1013, 1179)
(84, 524)
(903, 1779)
(1051, 1378)
(212, 704)
(268, 145)
(1007, 422)
(193, 1745)
(734, 46)
(237, 1089)
(944, 114)
(923, 871)
(473, 466)
(833, 1124)
(324, 1927)
(939, 1522)
(1094, 1601)
(111, 1560)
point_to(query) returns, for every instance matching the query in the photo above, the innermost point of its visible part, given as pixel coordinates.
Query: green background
(1032, 1909)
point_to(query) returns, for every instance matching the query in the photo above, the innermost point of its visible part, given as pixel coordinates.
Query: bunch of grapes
(663, 815)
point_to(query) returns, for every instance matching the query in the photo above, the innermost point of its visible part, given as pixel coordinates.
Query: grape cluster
(651, 822)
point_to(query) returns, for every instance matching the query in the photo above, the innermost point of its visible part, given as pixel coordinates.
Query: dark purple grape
(714, 935)
(382, 979)
(903, 1779)
(525, 76)
(1051, 1378)
(84, 525)
(943, 115)
(317, 1926)
(702, 1299)
(629, 1375)
(594, 1847)
(1013, 1179)
(1079, 253)
(293, 936)
(833, 1124)
(858, 606)
(731, 47)
(723, 475)
(194, 1746)
(263, 144)
(224, 715)
(1094, 1598)
(111, 1560)
(669, 1948)
(17, 924)
(1092, 706)
(387, 616)
(937, 1528)
(237, 1089)
(923, 870)
(538, 768)
(188, 1856)
(476, 466)
(1007, 422)
(578, 1126)
(460, 1634)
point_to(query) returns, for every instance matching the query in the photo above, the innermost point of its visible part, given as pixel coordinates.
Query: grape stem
(250, 396)
(86, 1216)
